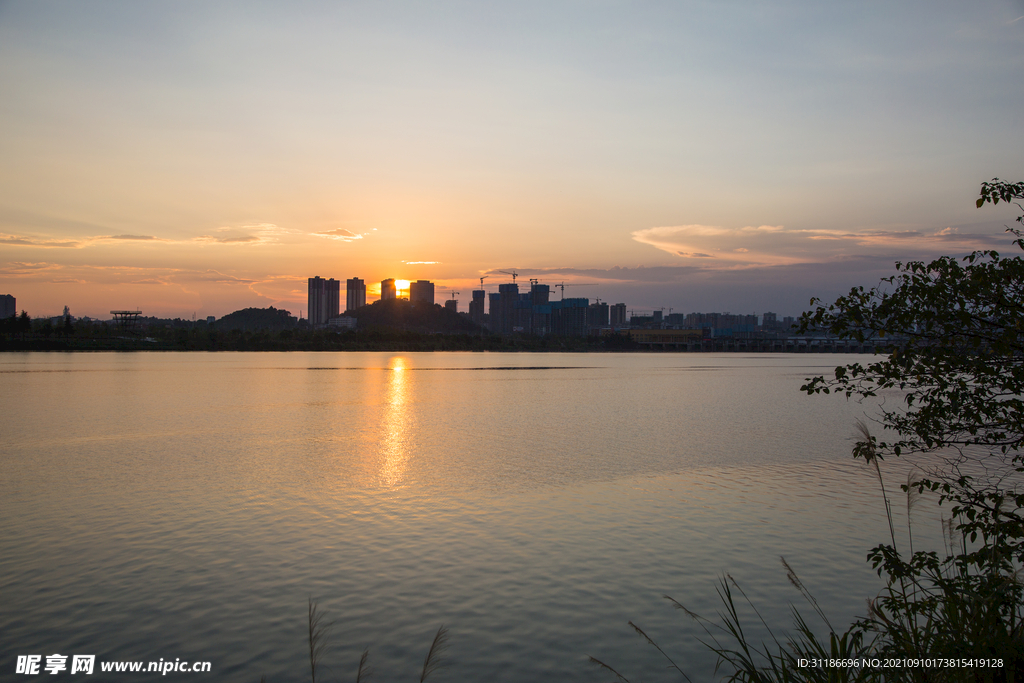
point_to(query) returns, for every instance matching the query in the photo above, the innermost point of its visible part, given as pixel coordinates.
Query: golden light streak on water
(395, 420)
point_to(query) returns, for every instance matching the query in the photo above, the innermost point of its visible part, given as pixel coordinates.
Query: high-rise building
(494, 312)
(522, 315)
(508, 296)
(451, 305)
(618, 316)
(476, 306)
(569, 317)
(355, 294)
(422, 292)
(323, 301)
(8, 306)
(597, 316)
(387, 289)
(539, 294)
(541, 319)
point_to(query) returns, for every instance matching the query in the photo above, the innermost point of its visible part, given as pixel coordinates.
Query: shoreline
(133, 347)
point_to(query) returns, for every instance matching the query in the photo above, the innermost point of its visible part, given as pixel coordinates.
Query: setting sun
(401, 286)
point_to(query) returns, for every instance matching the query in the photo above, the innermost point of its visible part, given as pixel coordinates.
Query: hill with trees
(257, 319)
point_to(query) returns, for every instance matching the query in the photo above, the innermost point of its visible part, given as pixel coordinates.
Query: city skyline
(701, 156)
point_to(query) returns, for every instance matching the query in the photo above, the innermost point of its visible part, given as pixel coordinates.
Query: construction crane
(574, 284)
(512, 272)
(453, 294)
(482, 281)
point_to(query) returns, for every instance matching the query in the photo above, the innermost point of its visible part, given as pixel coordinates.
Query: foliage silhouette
(951, 338)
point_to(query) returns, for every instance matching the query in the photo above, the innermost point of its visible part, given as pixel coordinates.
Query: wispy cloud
(421, 263)
(23, 269)
(214, 276)
(21, 240)
(240, 239)
(772, 245)
(253, 234)
(340, 234)
(141, 238)
(615, 274)
(261, 236)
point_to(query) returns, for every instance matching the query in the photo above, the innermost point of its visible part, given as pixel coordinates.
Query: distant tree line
(383, 326)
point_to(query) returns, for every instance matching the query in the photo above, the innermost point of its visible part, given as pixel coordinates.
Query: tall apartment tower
(494, 312)
(387, 289)
(477, 305)
(504, 321)
(324, 300)
(618, 316)
(597, 316)
(8, 306)
(539, 294)
(355, 294)
(569, 317)
(421, 292)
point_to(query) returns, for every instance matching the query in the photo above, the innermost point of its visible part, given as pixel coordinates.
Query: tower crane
(574, 284)
(512, 272)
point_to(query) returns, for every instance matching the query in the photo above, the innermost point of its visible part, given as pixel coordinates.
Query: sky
(731, 155)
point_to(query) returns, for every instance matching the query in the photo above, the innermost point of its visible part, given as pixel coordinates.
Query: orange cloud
(18, 240)
(22, 269)
(340, 234)
(242, 239)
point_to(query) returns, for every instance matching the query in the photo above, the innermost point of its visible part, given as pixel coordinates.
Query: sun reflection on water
(394, 424)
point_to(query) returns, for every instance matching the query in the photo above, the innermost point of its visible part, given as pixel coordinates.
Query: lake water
(164, 505)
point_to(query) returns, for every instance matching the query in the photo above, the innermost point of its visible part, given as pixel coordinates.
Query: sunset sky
(201, 157)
